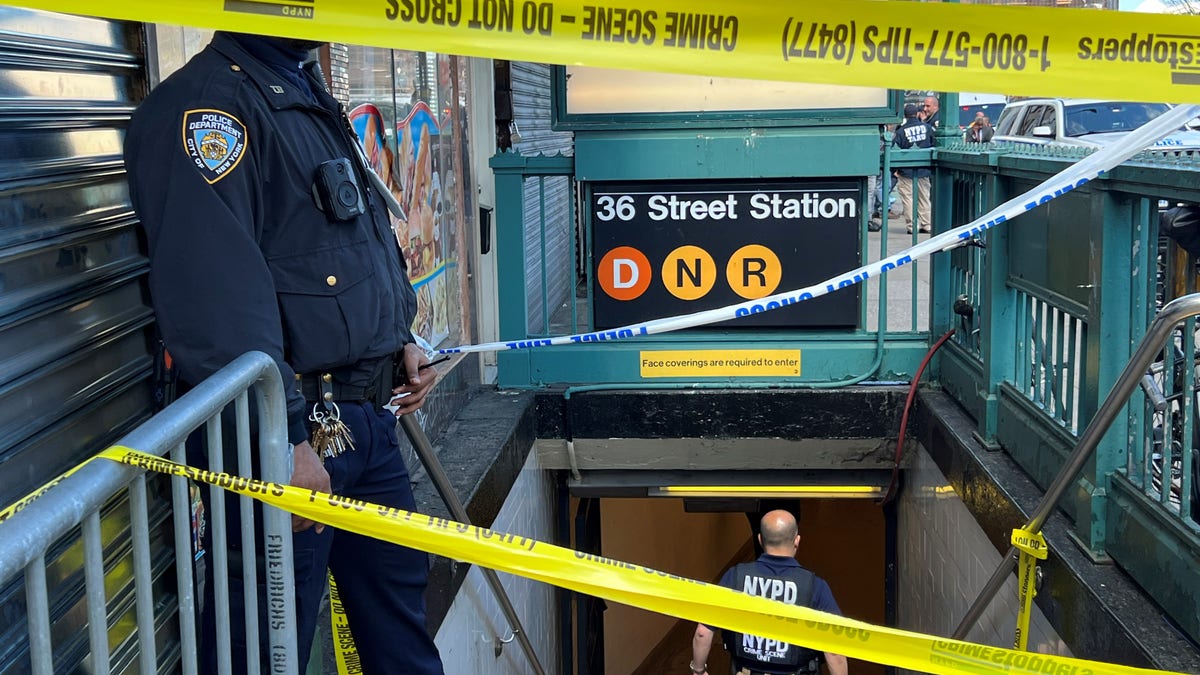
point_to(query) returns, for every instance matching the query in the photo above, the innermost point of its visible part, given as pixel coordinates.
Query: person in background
(913, 134)
(933, 112)
(876, 195)
(980, 130)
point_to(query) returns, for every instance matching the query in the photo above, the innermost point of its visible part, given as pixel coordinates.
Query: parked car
(1084, 123)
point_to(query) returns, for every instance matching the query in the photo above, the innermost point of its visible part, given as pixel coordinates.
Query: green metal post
(512, 319)
(998, 330)
(1141, 315)
(948, 131)
(1108, 349)
(940, 275)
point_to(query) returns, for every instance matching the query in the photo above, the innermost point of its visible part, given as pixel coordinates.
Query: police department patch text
(215, 141)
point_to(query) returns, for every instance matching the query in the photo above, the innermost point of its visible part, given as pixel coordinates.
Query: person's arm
(409, 394)
(837, 664)
(822, 601)
(701, 646)
(417, 381)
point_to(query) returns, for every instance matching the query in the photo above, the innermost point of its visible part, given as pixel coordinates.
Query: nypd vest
(793, 587)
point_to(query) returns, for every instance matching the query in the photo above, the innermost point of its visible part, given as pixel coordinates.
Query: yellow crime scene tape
(1032, 546)
(20, 505)
(623, 582)
(927, 45)
(344, 652)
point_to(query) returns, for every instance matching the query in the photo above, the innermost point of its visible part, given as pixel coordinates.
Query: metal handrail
(1147, 351)
(420, 442)
(433, 466)
(442, 483)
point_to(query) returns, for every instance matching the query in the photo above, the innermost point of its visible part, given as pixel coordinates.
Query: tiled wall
(944, 559)
(468, 636)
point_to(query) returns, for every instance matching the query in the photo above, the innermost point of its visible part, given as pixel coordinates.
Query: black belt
(328, 385)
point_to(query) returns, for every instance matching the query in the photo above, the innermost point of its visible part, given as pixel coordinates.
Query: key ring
(319, 416)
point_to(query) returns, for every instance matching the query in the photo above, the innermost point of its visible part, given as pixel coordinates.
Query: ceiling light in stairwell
(767, 491)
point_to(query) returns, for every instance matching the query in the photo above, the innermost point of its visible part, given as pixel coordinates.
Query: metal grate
(1051, 357)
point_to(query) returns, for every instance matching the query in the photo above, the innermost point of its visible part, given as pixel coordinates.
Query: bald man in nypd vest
(775, 575)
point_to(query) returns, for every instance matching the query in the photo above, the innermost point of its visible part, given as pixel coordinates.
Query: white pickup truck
(1085, 123)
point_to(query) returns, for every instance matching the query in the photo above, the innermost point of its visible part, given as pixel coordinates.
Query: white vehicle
(1084, 123)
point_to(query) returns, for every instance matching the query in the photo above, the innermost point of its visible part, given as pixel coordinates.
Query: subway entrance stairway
(665, 479)
(914, 563)
(1046, 308)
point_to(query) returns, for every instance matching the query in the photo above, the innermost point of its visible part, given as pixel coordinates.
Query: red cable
(912, 394)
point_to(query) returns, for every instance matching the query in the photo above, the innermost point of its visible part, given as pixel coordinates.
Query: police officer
(265, 234)
(914, 133)
(775, 575)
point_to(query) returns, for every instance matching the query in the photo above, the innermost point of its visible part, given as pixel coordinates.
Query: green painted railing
(1046, 311)
(1054, 305)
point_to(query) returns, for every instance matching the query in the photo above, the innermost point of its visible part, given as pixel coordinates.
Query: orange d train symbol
(624, 273)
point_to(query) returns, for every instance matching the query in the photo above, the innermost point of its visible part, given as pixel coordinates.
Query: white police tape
(1074, 176)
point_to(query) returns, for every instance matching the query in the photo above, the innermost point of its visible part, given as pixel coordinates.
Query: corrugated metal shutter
(531, 112)
(75, 357)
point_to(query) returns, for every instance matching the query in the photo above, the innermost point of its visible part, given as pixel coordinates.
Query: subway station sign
(662, 249)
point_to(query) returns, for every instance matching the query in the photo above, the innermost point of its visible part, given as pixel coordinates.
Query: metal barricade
(40, 533)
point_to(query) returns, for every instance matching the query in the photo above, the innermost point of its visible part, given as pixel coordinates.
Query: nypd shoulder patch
(215, 141)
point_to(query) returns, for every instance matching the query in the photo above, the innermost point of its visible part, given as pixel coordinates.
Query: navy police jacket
(913, 134)
(222, 158)
(779, 578)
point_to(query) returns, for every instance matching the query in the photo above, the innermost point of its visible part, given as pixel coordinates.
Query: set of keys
(330, 436)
